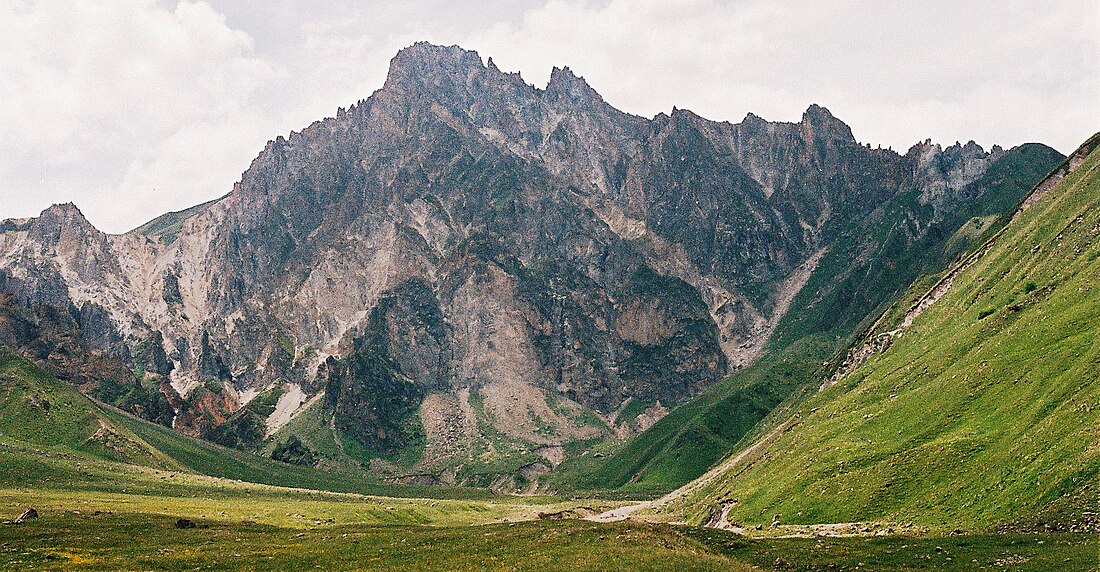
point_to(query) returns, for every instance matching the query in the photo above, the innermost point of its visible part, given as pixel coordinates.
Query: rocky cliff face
(469, 266)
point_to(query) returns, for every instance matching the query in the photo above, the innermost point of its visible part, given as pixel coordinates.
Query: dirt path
(624, 512)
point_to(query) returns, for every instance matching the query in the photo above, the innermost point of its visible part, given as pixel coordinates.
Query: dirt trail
(624, 512)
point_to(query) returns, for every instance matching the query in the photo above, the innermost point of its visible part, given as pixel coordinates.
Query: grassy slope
(38, 413)
(985, 411)
(209, 459)
(1017, 552)
(168, 225)
(839, 301)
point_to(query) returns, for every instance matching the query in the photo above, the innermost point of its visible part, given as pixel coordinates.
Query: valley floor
(251, 527)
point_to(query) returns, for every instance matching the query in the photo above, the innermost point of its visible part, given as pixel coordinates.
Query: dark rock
(184, 523)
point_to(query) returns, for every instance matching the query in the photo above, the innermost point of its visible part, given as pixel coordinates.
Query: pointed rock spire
(564, 84)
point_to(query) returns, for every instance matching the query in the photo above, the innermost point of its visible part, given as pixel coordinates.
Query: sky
(133, 108)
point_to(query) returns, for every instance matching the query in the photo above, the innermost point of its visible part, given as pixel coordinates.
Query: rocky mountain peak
(64, 218)
(429, 64)
(818, 121)
(68, 211)
(476, 250)
(752, 119)
(943, 168)
(565, 85)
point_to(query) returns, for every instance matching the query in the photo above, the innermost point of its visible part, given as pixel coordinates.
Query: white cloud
(131, 108)
(99, 94)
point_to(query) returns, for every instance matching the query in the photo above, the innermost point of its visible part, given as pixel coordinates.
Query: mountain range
(466, 279)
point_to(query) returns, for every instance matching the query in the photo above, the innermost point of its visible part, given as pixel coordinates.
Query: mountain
(468, 279)
(976, 408)
(865, 271)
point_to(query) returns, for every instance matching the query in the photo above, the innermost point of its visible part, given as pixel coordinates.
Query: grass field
(67, 538)
(140, 542)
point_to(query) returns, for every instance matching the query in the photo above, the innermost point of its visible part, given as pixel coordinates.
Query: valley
(469, 323)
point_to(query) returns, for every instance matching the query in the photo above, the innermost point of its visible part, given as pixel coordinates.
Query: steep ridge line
(877, 343)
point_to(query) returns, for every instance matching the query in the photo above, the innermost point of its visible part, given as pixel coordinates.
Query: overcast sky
(131, 108)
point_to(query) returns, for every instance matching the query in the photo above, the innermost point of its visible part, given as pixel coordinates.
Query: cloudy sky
(131, 108)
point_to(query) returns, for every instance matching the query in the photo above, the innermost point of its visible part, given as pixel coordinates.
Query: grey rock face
(462, 245)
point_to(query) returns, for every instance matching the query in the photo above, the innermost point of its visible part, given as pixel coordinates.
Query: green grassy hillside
(39, 414)
(872, 264)
(38, 411)
(985, 411)
(97, 513)
(205, 458)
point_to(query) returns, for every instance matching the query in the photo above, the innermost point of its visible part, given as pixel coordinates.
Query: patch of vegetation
(284, 343)
(294, 452)
(632, 410)
(167, 226)
(415, 440)
(247, 428)
(334, 451)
